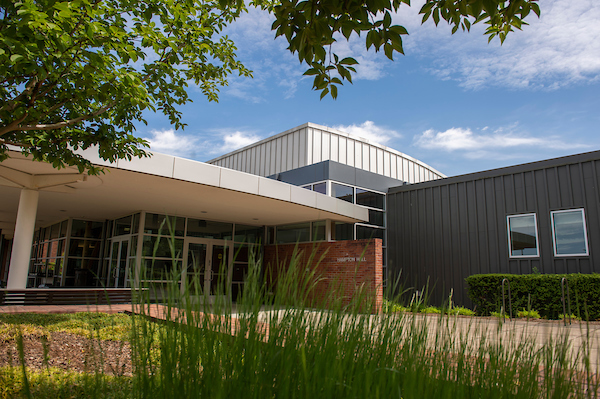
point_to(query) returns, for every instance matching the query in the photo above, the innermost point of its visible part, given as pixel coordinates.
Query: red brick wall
(348, 270)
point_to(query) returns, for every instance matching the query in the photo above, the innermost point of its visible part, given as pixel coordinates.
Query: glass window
(84, 248)
(343, 231)
(343, 192)
(164, 225)
(136, 223)
(320, 188)
(158, 269)
(293, 233)
(522, 235)
(87, 229)
(123, 226)
(370, 199)
(318, 231)
(367, 233)
(63, 228)
(249, 234)
(209, 229)
(55, 231)
(569, 233)
(376, 218)
(162, 249)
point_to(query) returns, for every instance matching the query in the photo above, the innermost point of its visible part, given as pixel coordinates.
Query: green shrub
(528, 314)
(573, 317)
(461, 311)
(499, 315)
(537, 291)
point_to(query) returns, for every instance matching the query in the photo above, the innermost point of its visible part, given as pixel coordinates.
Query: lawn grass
(103, 326)
(54, 383)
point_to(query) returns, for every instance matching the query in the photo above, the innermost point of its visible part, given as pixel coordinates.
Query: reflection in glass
(250, 234)
(165, 225)
(343, 231)
(569, 233)
(167, 247)
(345, 193)
(523, 235)
(370, 199)
(367, 233)
(292, 233)
(209, 229)
(320, 188)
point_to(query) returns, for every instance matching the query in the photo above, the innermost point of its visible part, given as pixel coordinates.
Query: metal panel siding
(325, 146)
(350, 152)
(317, 145)
(372, 162)
(448, 231)
(393, 166)
(357, 154)
(342, 150)
(379, 155)
(278, 155)
(334, 150)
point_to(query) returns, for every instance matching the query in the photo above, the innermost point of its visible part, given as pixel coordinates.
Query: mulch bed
(70, 352)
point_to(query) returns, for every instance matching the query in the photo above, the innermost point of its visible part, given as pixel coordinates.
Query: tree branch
(51, 126)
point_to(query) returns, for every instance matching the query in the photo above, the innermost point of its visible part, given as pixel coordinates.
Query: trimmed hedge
(485, 290)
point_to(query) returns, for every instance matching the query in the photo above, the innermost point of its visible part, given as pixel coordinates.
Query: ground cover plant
(272, 345)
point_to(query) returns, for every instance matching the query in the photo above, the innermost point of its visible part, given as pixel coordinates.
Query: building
(310, 184)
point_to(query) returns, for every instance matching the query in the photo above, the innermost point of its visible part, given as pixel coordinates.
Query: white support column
(23, 239)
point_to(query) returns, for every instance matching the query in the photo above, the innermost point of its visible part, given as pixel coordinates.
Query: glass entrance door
(206, 270)
(118, 264)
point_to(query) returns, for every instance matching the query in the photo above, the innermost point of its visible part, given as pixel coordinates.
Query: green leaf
(333, 92)
(324, 93)
(348, 61)
(16, 58)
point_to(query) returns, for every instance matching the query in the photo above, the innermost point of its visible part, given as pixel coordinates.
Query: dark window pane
(376, 218)
(342, 192)
(523, 237)
(209, 229)
(318, 231)
(166, 248)
(250, 234)
(343, 231)
(87, 229)
(569, 233)
(366, 233)
(135, 224)
(164, 225)
(159, 269)
(63, 228)
(320, 188)
(292, 233)
(55, 231)
(370, 199)
(123, 226)
(84, 248)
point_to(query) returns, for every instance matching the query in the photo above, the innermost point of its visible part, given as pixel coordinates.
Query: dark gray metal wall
(446, 230)
(339, 172)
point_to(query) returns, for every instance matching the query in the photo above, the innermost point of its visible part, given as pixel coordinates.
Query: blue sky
(454, 102)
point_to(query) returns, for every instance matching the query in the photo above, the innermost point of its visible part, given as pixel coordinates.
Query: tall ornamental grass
(273, 345)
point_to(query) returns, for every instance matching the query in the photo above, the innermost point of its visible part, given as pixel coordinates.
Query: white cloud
(559, 49)
(167, 141)
(230, 141)
(368, 130)
(499, 144)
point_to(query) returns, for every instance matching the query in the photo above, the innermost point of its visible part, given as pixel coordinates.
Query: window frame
(537, 239)
(585, 235)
